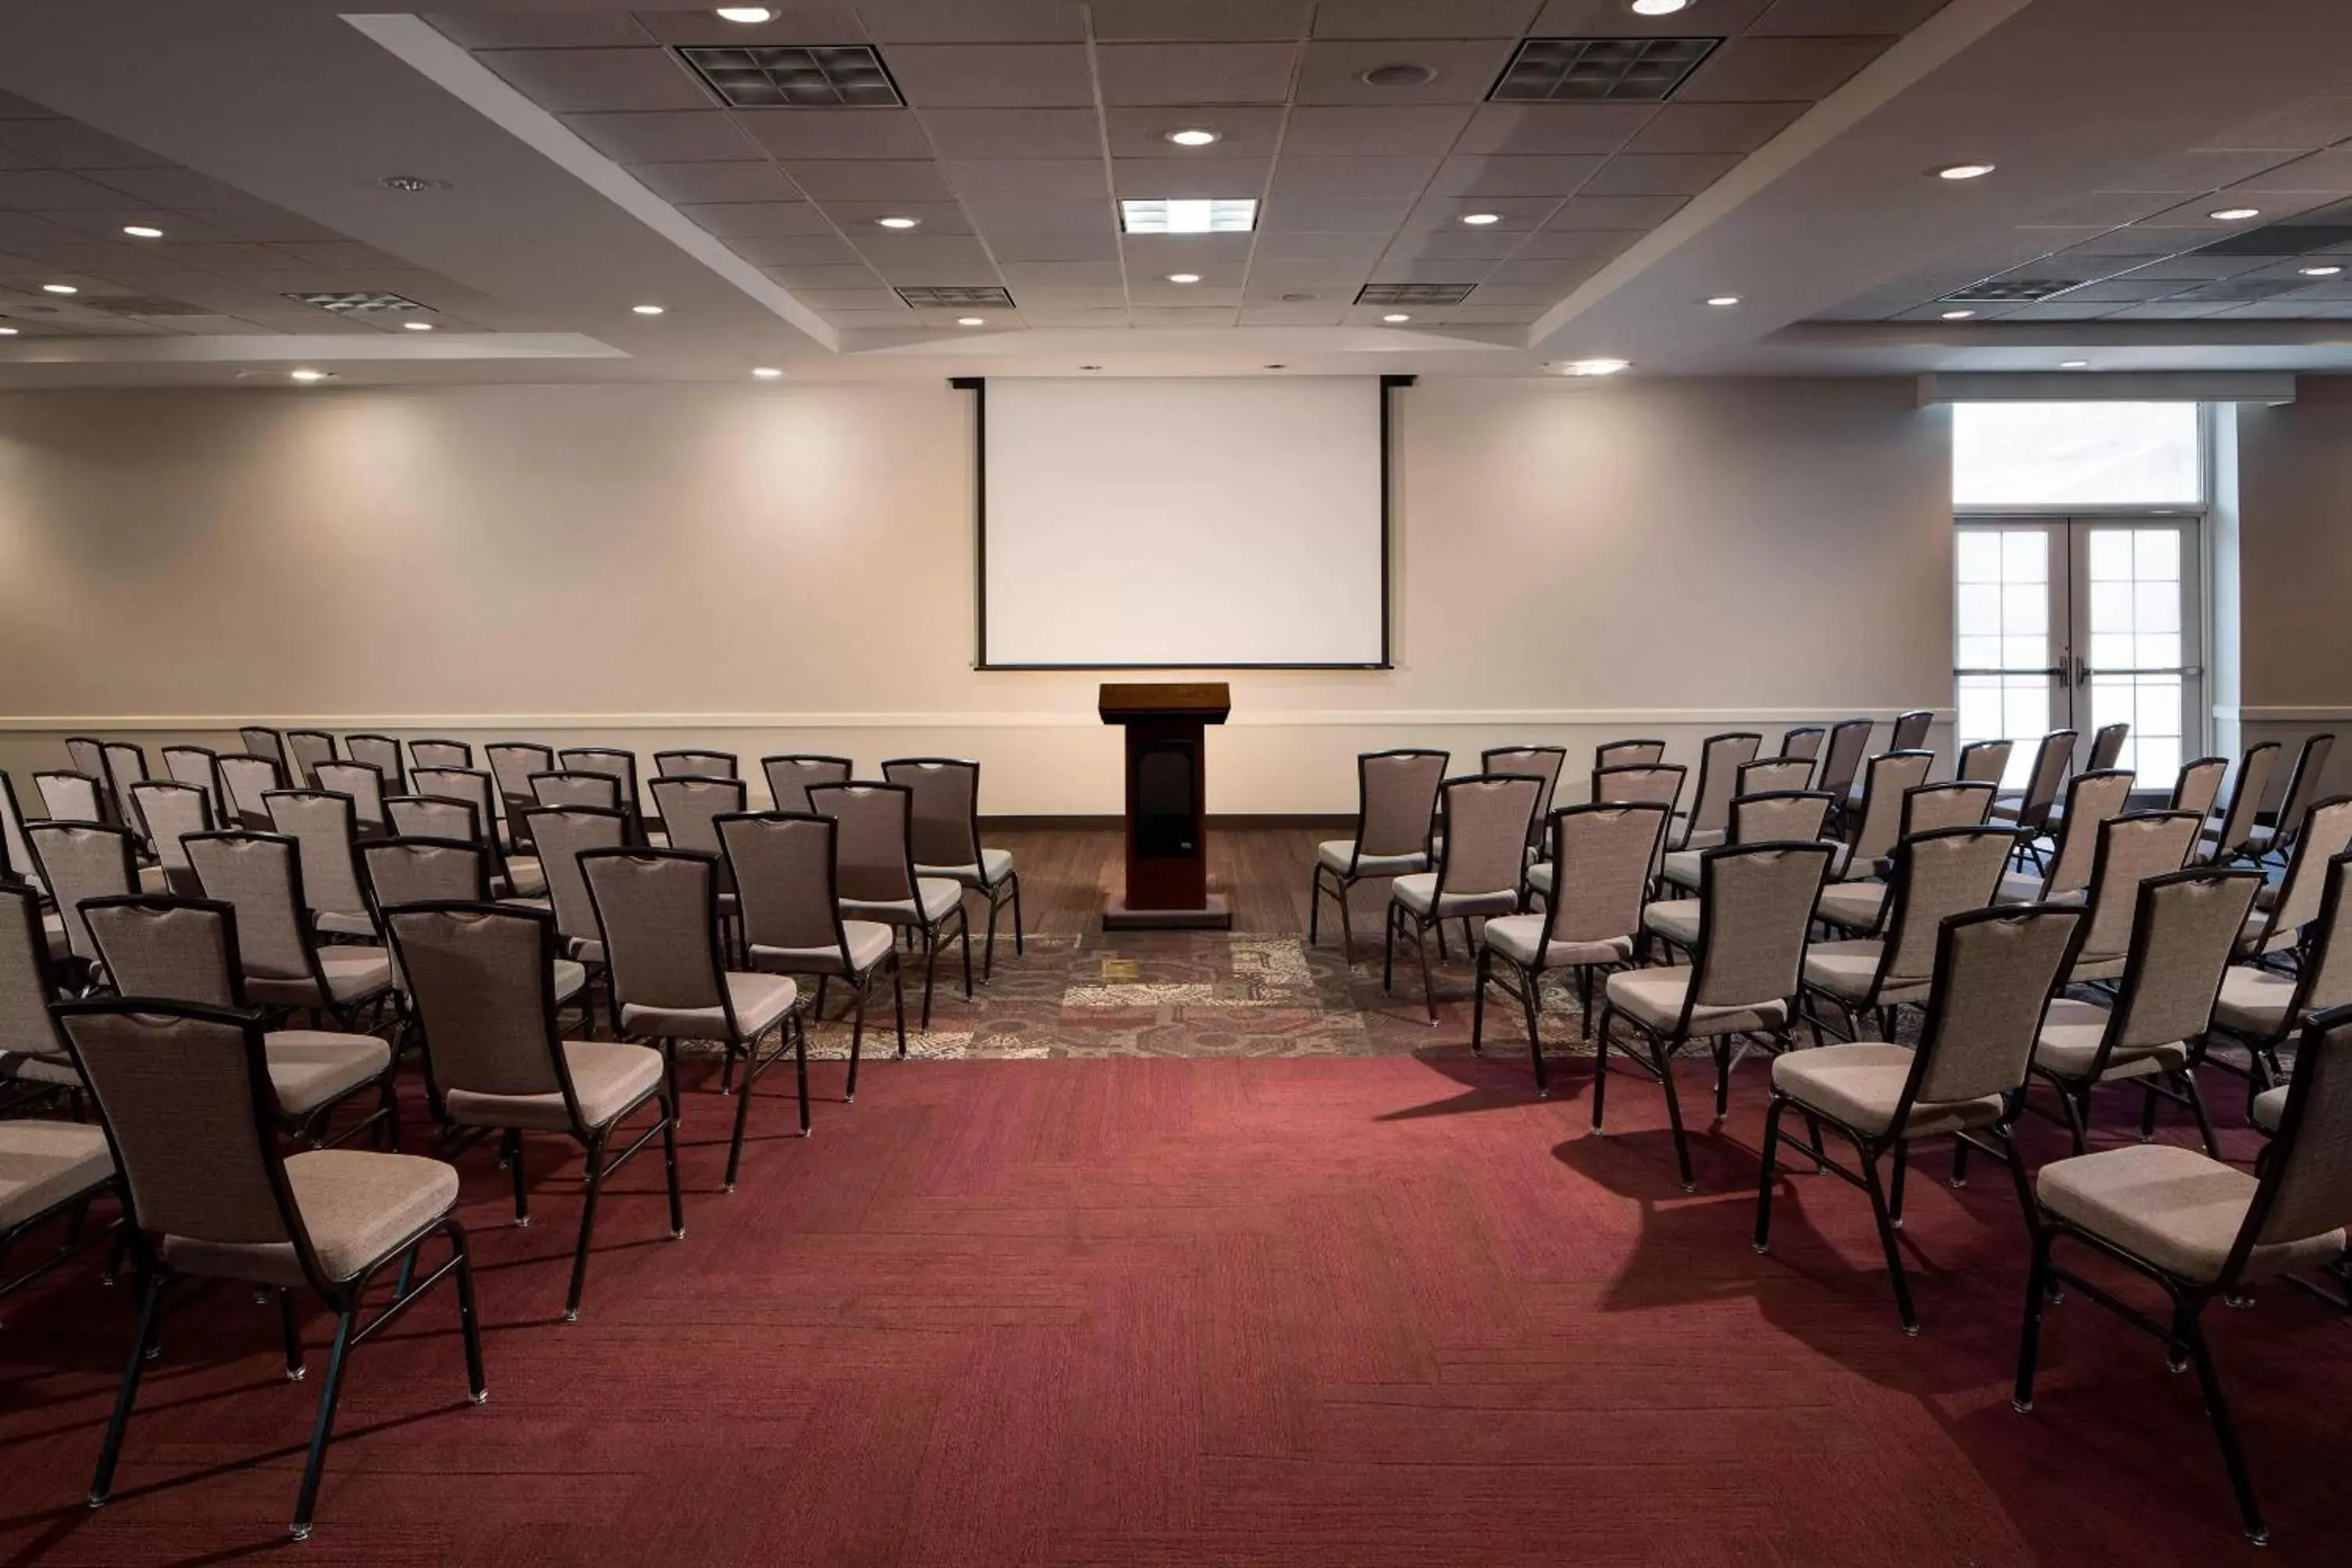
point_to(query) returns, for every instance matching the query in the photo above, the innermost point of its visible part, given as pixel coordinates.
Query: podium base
(1217, 916)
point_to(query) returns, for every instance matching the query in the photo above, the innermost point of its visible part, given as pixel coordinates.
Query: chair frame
(997, 893)
(1400, 913)
(1893, 923)
(930, 930)
(2054, 759)
(848, 771)
(346, 1015)
(2234, 835)
(395, 782)
(1342, 881)
(2106, 745)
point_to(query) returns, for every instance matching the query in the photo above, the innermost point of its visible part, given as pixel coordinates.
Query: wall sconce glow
(2234, 214)
(1396, 318)
(1194, 136)
(1596, 366)
(766, 372)
(1723, 301)
(307, 376)
(59, 289)
(1480, 220)
(1963, 171)
(646, 310)
(417, 326)
(896, 222)
(1957, 315)
(1168, 215)
(972, 320)
(746, 14)
(1183, 277)
(143, 231)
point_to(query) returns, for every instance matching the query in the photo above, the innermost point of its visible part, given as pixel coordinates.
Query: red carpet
(1138, 1313)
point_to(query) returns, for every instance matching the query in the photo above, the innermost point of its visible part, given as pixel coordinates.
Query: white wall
(791, 568)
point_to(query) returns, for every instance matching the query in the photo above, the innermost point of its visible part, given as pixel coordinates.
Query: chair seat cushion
(1681, 866)
(1703, 838)
(53, 932)
(2173, 1207)
(2253, 1002)
(154, 879)
(1853, 906)
(1846, 970)
(2071, 1033)
(357, 1204)
(570, 979)
(2266, 896)
(311, 1068)
(1418, 892)
(1333, 853)
(868, 942)
(331, 923)
(938, 897)
(55, 1071)
(1675, 919)
(609, 1077)
(525, 878)
(2251, 942)
(2269, 1108)
(1539, 878)
(354, 973)
(1655, 997)
(759, 999)
(1516, 937)
(586, 950)
(995, 865)
(43, 1163)
(1861, 1085)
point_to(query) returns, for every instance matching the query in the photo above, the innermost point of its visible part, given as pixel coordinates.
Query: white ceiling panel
(869, 179)
(1614, 212)
(740, 180)
(1143, 179)
(1051, 316)
(990, 76)
(1013, 245)
(1333, 69)
(1183, 316)
(997, 133)
(2329, 172)
(663, 136)
(37, 190)
(1523, 176)
(1615, 19)
(1659, 174)
(730, 219)
(859, 220)
(1353, 176)
(1555, 128)
(1512, 215)
(1424, 18)
(2299, 125)
(992, 216)
(1062, 274)
(1203, 253)
(69, 145)
(1822, 18)
(1343, 214)
(1760, 70)
(795, 250)
(1030, 179)
(1244, 132)
(1458, 245)
(1356, 249)
(1712, 127)
(945, 258)
(824, 275)
(536, 29)
(1144, 75)
(1559, 271)
(1325, 314)
(1199, 19)
(963, 22)
(835, 133)
(571, 80)
(1407, 130)
(1604, 242)
(791, 24)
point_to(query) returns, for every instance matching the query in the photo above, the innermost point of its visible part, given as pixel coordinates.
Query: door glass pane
(2135, 605)
(2002, 622)
(2076, 454)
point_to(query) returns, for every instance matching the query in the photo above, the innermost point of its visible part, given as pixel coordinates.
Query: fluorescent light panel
(1162, 216)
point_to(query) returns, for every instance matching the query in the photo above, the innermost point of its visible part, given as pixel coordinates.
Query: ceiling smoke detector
(412, 184)
(1403, 73)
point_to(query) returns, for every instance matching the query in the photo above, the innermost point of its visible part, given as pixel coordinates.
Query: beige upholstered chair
(2294, 903)
(2232, 838)
(2199, 787)
(1481, 870)
(261, 740)
(87, 756)
(2031, 809)
(563, 834)
(364, 783)
(1772, 775)
(305, 750)
(1396, 811)
(1876, 821)
(2261, 1008)
(1911, 731)
(1747, 955)
(15, 849)
(282, 961)
(2202, 1230)
(1803, 744)
(244, 778)
(124, 764)
(1628, 754)
(2107, 746)
(438, 754)
(2302, 781)
(690, 806)
(1772, 814)
(874, 864)
(1941, 872)
(790, 777)
(1993, 973)
(692, 764)
(2132, 849)
(325, 830)
(517, 875)
(619, 764)
(1719, 761)
(32, 1058)
(447, 871)
(1604, 854)
(68, 797)
(433, 816)
(513, 764)
(481, 976)
(1983, 762)
(2064, 875)
(82, 860)
(183, 1094)
(1542, 762)
(380, 752)
(197, 766)
(1860, 906)
(946, 836)
(1628, 783)
(597, 791)
(48, 1169)
(1842, 758)
(166, 813)
(783, 869)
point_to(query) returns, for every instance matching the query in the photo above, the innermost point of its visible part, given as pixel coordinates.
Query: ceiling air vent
(944, 299)
(1585, 70)
(1413, 294)
(357, 304)
(2012, 290)
(819, 75)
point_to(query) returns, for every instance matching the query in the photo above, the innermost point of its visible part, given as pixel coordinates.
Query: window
(2077, 454)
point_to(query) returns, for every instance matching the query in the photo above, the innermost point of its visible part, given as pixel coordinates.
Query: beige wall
(2295, 568)
(771, 569)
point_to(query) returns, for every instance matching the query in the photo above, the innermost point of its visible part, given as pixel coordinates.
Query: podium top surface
(1206, 700)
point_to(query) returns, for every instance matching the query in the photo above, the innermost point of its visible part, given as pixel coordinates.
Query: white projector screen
(1192, 523)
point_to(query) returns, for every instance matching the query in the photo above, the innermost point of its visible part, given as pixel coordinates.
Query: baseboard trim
(1078, 820)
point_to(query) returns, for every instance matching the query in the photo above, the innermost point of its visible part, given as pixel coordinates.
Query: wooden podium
(1167, 860)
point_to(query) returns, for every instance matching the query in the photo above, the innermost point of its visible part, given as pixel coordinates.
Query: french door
(2076, 623)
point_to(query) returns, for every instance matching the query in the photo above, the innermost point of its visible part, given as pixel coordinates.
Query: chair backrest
(2253, 786)
(1540, 762)
(325, 833)
(197, 766)
(565, 787)
(513, 764)
(782, 865)
(2051, 758)
(1984, 762)
(1961, 804)
(2133, 848)
(182, 949)
(2107, 744)
(2199, 787)
(2092, 801)
(424, 871)
(1893, 775)
(260, 875)
(169, 812)
(1911, 730)
(612, 761)
(74, 797)
(1996, 972)
(1628, 754)
(380, 752)
(305, 750)
(86, 755)
(1772, 775)
(2327, 833)
(1842, 757)
(945, 792)
(1719, 761)
(1600, 857)
(261, 740)
(2324, 977)
(2303, 780)
(690, 806)
(364, 783)
(473, 786)
(1396, 800)
(438, 754)
(1486, 832)
(433, 816)
(1755, 906)
(1938, 873)
(1780, 814)
(691, 764)
(482, 979)
(873, 859)
(27, 985)
(563, 834)
(790, 775)
(2306, 1182)
(1804, 742)
(16, 850)
(126, 765)
(2185, 925)
(1639, 783)
(245, 777)
(82, 860)
(658, 911)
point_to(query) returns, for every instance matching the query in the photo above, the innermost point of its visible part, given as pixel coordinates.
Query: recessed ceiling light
(2074, 364)
(1393, 317)
(1963, 171)
(1402, 74)
(7, 331)
(766, 372)
(1192, 136)
(308, 374)
(143, 231)
(1723, 301)
(1957, 315)
(417, 326)
(646, 310)
(972, 320)
(1480, 220)
(2234, 215)
(1220, 214)
(2325, 270)
(59, 289)
(746, 14)
(1658, 7)
(1183, 277)
(1596, 366)
(898, 222)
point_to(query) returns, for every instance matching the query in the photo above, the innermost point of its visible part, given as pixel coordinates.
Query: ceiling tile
(259, 223)
(2198, 267)
(795, 250)
(1031, 179)
(835, 133)
(1761, 70)
(1079, 298)
(1062, 274)
(1359, 248)
(963, 22)
(1223, 293)
(1614, 212)
(1146, 74)
(1466, 69)
(2108, 208)
(1818, 19)
(2196, 171)
(1493, 315)
(743, 180)
(1660, 173)
(1142, 179)
(2125, 290)
(935, 259)
(1554, 128)
(1525, 175)
(1342, 215)
(731, 219)
(1423, 18)
(1604, 242)
(1331, 314)
(1615, 19)
(991, 133)
(820, 275)
(1199, 19)
(2329, 172)
(1046, 316)
(1713, 127)
(511, 29)
(1353, 176)
(1276, 277)
(994, 216)
(35, 190)
(1559, 271)
(1407, 130)
(572, 81)
(831, 300)
(1456, 245)
(869, 179)
(2302, 126)
(794, 23)
(1182, 316)
(70, 145)
(95, 257)
(1011, 245)
(1244, 132)
(664, 136)
(857, 219)
(1157, 253)
(991, 76)
(1515, 294)
(1517, 214)
(179, 228)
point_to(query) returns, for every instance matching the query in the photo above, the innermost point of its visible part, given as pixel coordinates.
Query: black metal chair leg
(1666, 1060)
(587, 1228)
(1347, 926)
(306, 1500)
(930, 970)
(513, 1152)
(1428, 986)
(742, 1115)
(1894, 1188)
(1601, 1063)
(1530, 995)
(669, 1164)
(1020, 943)
(898, 999)
(2225, 1431)
(470, 1321)
(1883, 1213)
(1314, 904)
(1388, 952)
(293, 1333)
(2028, 1344)
(1478, 1006)
(1764, 1182)
(857, 1038)
(2197, 1108)
(150, 1310)
(988, 963)
(963, 923)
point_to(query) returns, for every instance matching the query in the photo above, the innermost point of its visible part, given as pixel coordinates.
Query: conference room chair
(364, 785)
(1983, 762)
(692, 764)
(512, 765)
(1628, 783)
(688, 804)
(2276, 932)
(1842, 758)
(1721, 758)
(1803, 743)
(1396, 808)
(2198, 786)
(49, 1169)
(2108, 745)
(1911, 730)
(791, 776)
(2232, 838)
(399, 871)
(86, 755)
(168, 813)
(69, 796)
(875, 868)
(946, 793)
(15, 847)
(563, 834)
(2133, 847)
(183, 1094)
(32, 1058)
(283, 962)
(1604, 853)
(1772, 775)
(245, 777)
(261, 740)
(2260, 1007)
(2203, 1230)
(668, 976)
(1936, 873)
(619, 764)
(565, 786)
(305, 750)
(1961, 804)
(2030, 808)
(517, 876)
(326, 839)
(1992, 972)
(124, 764)
(1628, 754)
(197, 766)
(2183, 924)
(783, 864)
(433, 816)
(1542, 762)
(1877, 820)
(2064, 875)
(1481, 870)
(186, 951)
(380, 752)
(1747, 963)
(1773, 814)
(482, 977)
(79, 861)
(438, 754)
(2302, 781)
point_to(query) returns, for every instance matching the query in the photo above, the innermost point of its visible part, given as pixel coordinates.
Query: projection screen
(1182, 523)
